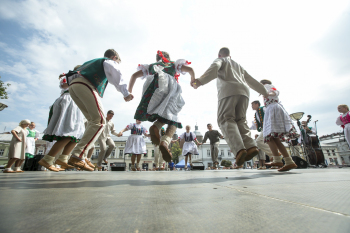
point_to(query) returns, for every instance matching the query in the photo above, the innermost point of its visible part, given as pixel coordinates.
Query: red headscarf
(162, 56)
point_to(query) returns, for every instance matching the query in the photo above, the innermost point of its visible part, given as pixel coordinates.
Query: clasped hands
(129, 97)
(195, 83)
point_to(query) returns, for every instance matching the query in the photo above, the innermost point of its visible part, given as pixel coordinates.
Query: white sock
(288, 160)
(165, 139)
(63, 158)
(8, 169)
(49, 159)
(277, 159)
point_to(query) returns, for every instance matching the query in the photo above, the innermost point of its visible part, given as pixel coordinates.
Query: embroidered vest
(189, 138)
(346, 119)
(94, 72)
(31, 133)
(169, 68)
(259, 125)
(136, 131)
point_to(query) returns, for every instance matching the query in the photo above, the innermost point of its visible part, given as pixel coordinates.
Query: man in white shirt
(105, 140)
(86, 87)
(233, 85)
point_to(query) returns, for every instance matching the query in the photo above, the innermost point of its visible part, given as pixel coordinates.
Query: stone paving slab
(308, 200)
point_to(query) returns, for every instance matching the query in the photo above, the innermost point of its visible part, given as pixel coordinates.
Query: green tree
(176, 151)
(3, 93)
(226, 163)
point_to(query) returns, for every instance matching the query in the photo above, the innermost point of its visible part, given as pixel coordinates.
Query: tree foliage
(226, 163)
(176, 151)
(3, 87)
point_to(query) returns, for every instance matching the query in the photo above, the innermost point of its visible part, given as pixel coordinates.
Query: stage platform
(305, 200)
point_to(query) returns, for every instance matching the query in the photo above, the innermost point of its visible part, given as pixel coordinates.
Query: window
(229, 153)
(2, 152)
(113, 154)
(97, 152)
(145, 155)
(222, 153)
(40, 152)
(208, 153)
(152, 153)
(333, 152)
(121, 153)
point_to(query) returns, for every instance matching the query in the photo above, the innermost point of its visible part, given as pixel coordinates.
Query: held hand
(173, 141)
(128, 98)
(120, 134)
(19, 139)
(196, 83)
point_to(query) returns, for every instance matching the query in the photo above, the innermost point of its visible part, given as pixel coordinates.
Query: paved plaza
(308, 200)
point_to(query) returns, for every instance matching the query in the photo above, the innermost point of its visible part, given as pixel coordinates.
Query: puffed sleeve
(339, 122)
(18, 129)
(182, 136)
(63, 81)
(114, 77)
(129, 126)
(145, 131)
(145, 70)
(272, 88)
(178, 65)
(37, 134)
(194, 136)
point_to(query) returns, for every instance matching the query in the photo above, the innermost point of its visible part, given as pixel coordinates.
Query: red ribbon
(274, 89)
(163, 58)
(176, 76)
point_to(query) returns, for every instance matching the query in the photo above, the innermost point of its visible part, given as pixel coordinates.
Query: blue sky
(302, 46)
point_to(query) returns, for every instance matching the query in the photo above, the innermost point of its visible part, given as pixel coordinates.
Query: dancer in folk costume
(87, 85)
(189, 148)
(258, 124)
(135, 145)
(161, 97)
(65, 126)
(106, 140)
(278, 127)
(32, 136)
(344, 120)
(233, 83)
(158, 158)
(17, 147)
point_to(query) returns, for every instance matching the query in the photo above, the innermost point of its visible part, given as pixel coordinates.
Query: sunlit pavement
(305, 200)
